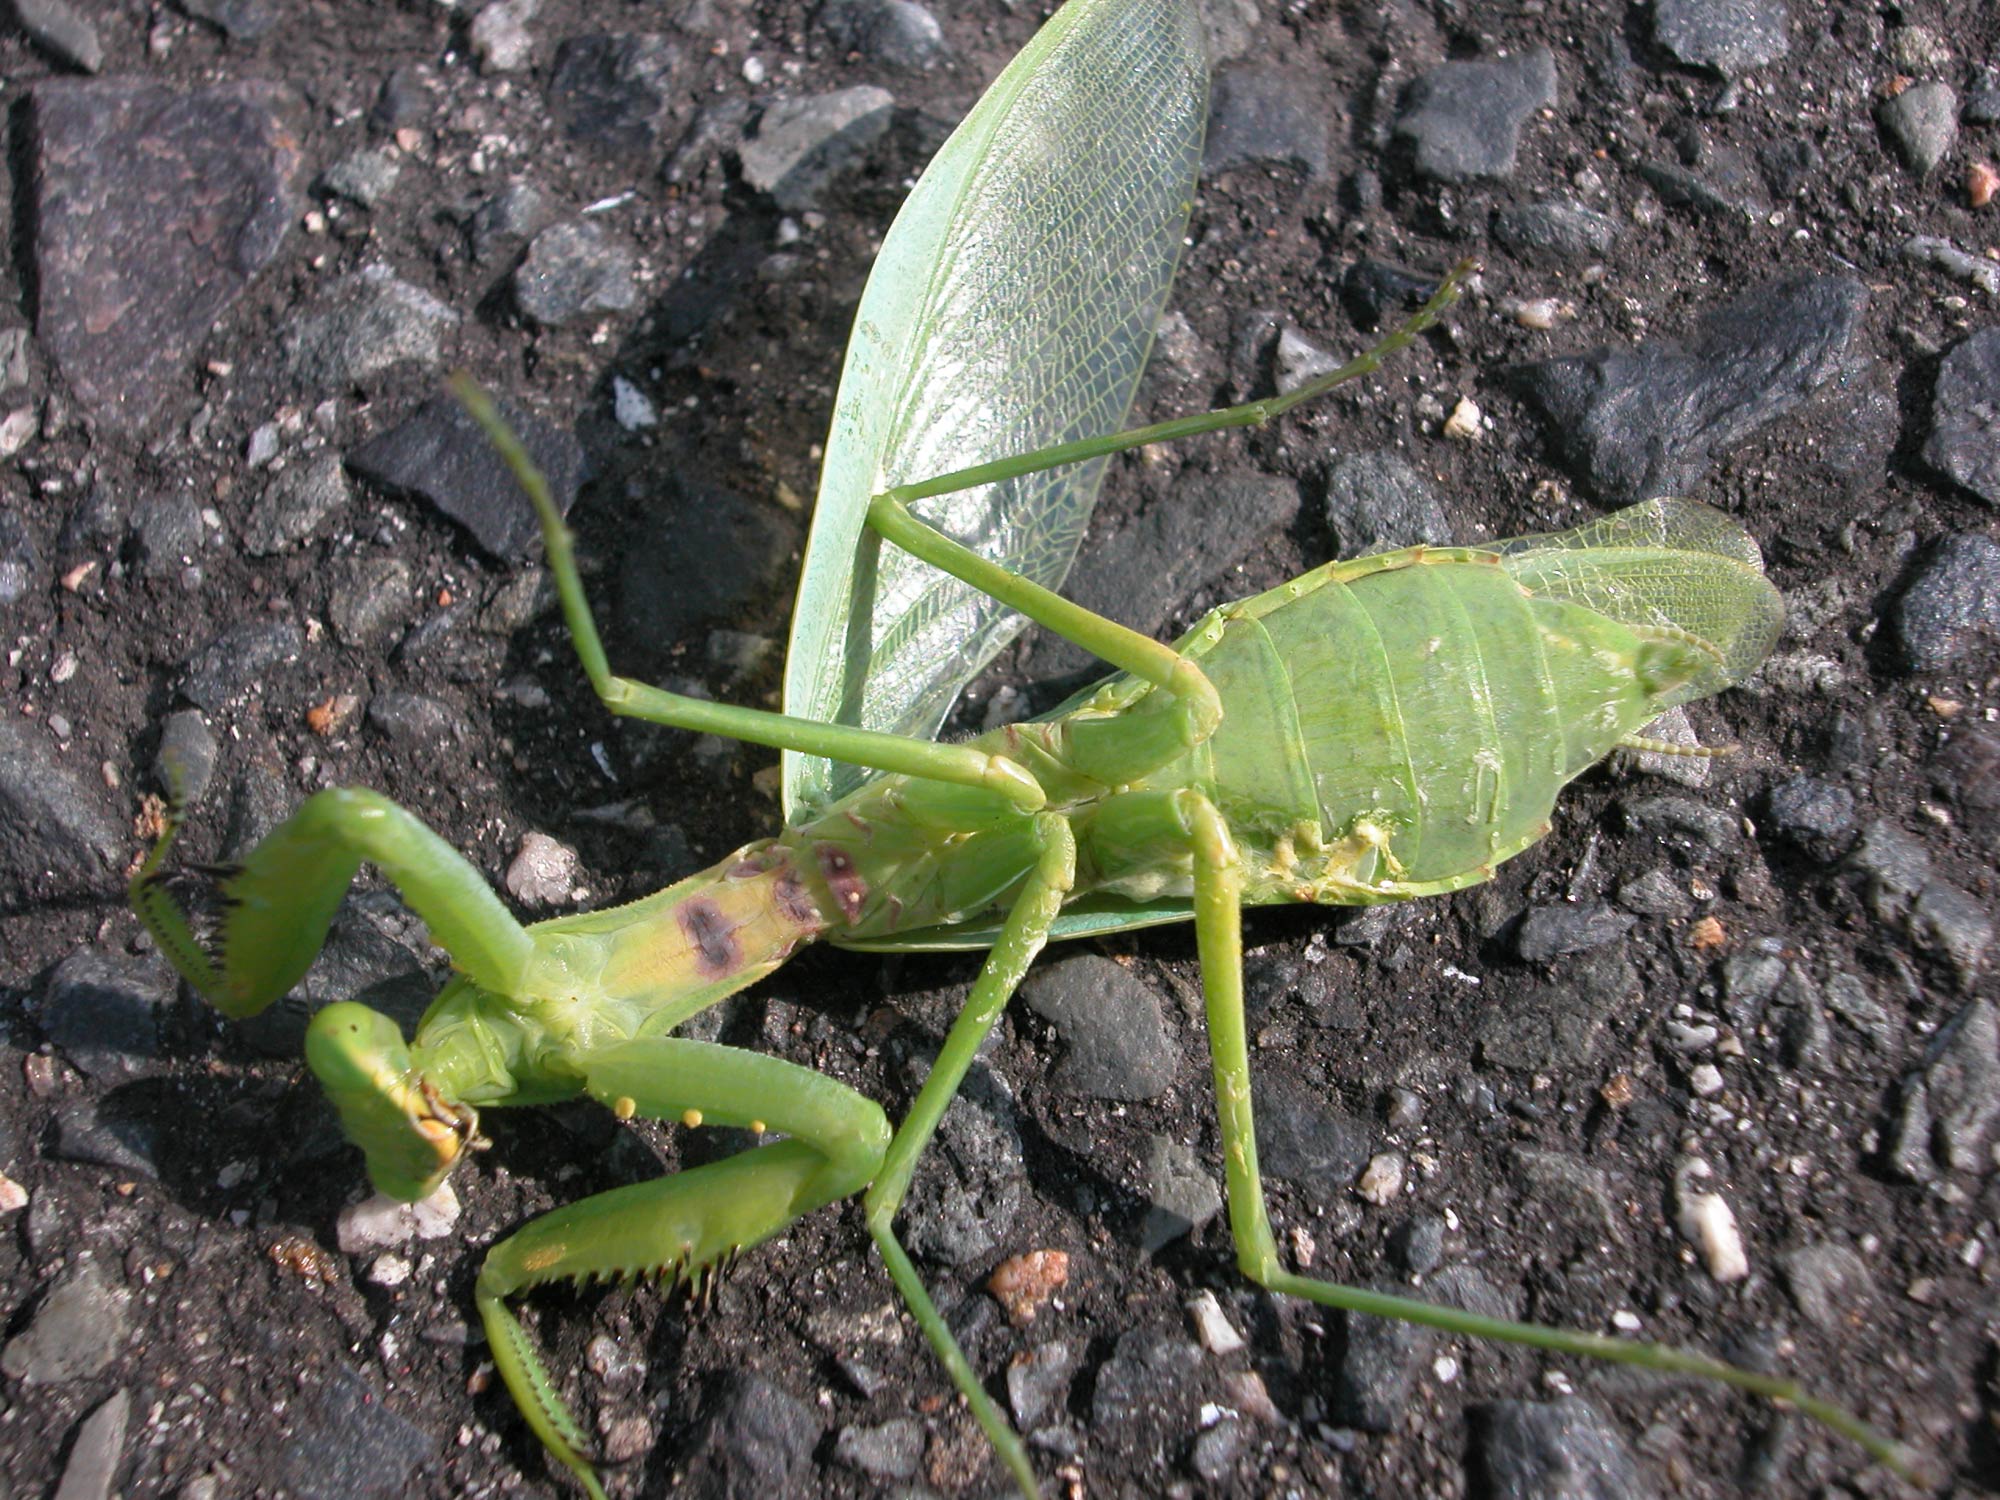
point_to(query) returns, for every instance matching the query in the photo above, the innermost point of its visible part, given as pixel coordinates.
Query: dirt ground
(190, 1173)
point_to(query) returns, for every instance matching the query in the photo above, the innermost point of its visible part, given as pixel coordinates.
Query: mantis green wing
(1012, 307)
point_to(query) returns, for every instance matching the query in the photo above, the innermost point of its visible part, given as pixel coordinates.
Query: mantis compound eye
(409, 1132)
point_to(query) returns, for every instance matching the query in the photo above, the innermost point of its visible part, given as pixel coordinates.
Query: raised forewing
(1012, 307)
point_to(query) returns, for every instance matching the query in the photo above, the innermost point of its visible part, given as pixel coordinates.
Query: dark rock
(56, 834)
(968, 1188)
(1816, 815)
(238, 662)
(613, 92)
(442, 454)
(573, 270)
(20, 563)
(1803, 1026)
(62, 31)
(1303, 1138)
(408, 97)
(1555, 233)
(1259, 115)
(1651, 422)
(660, 598)
(1952, 604)
(103, 1133)
(755, 1440)
(77, 1330)
(1847, 996)
(1897, 867)
(362, 177)
(1556, 1450)
(1921, 122)
(103, 1012)
(1181, 1194)
(96, 1450)
(1418, 1244)
(185, 761)
(167, 534)
(294, 504)
(892, 1450)
(1204, 526)
(1826, 1282)
(350, 1441)
(1548, 932)
(1966, 770)
(1038, 1381)
(1964, 444)
(1462, 121)
(1115, 1039)
(370, 600)
(1962, 1079)
(239, 20)
(1934, 250)
(1750, 978)
(1385, 1358)
(802, 145)
(509, 219)
(362, 325)
(1722, 184)
(1655, 894)
(154, 210)
(895, 33)
(411, 721)
(1982, 100)
(1150, 1375)
(1552, 1024)
(1578, 1201)
(1730, 36)
(1374, 291)
(1375, 502)
(1948, 921)
(1790, 166)
(1216, 1451)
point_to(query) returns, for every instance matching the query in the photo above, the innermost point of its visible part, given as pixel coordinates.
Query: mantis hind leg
(687, 1225)
(1020, 940)
(1218, 913)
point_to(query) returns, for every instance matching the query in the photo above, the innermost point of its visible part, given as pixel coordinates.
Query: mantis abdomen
(1392, 726)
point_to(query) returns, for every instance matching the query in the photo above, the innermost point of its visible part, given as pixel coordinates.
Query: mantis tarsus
(1377, 730)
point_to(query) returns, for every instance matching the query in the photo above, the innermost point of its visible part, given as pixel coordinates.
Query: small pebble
(1705, 1079)
(1465, 421)
(1382, 1179)
(1217, 1334)
(1707, 1222)
(1022, 1283)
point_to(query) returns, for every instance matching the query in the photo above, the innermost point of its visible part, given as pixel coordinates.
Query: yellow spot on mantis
(691, 1118)
(756, 1127)
(625, 1106)
(541, 1260)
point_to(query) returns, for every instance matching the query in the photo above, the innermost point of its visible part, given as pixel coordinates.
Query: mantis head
(409, 1132)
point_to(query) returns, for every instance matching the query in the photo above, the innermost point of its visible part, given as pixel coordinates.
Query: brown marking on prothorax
(713, 936)
(848, 888)
(794, 901)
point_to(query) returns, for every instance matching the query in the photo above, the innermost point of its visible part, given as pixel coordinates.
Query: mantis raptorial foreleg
(692, 1222)
(278, 904)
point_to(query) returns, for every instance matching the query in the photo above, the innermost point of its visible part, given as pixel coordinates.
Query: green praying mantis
(1376, 730)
